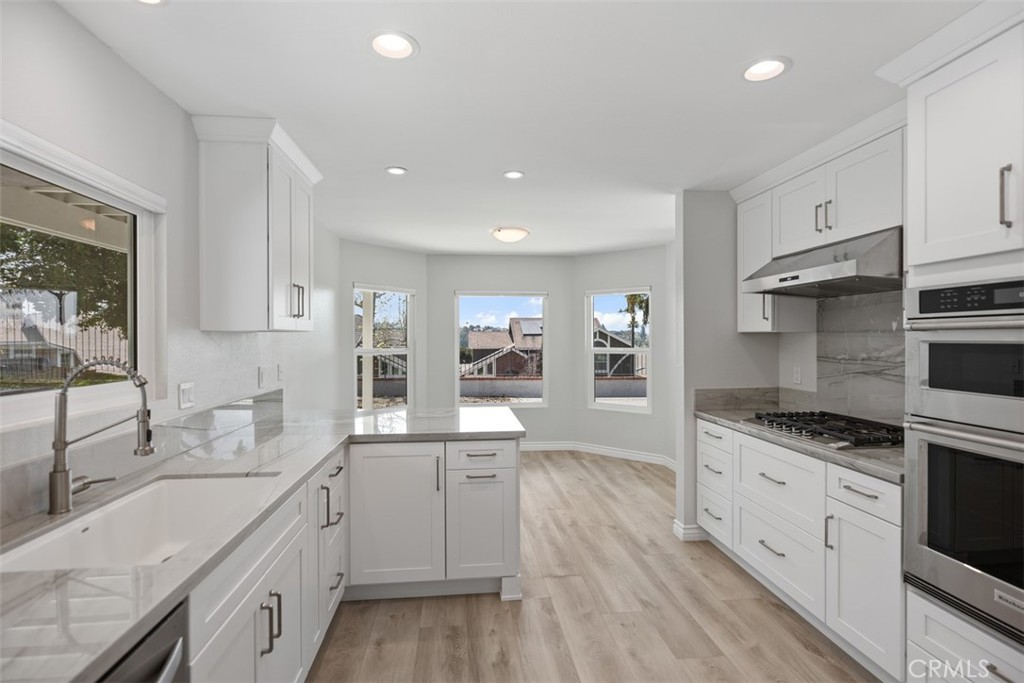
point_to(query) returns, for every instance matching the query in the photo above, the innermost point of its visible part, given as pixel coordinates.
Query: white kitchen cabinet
(764, 312)
(327, 494)
(864, 584)
(256, 226)
(482, 522)
(397, 508)
(852, 195)
(965, 124)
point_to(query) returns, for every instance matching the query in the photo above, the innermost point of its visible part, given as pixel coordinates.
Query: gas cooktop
(831, 429)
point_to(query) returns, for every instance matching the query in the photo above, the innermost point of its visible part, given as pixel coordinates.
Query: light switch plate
(797, 375)
(261, 377)
(280, 373)
(186, 395)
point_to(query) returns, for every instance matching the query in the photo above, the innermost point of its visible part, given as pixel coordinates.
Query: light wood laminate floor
(609, 595)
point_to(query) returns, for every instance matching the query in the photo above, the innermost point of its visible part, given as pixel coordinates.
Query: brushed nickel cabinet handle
(437, 472)
(341, 577)
(298, 300)
(302, 301)
(776, 552)
(764, 306)
(270, 628)
(774, 481)
(994, 670)
(827, 545)
(817, 208)
(482, 455)
(849, 488)
(336, 472)
(708, 467)
(280, 610)
(327, 517)
(481, 476)
(713, 435)
(712, 515)
(827, 226)
(1002, 196)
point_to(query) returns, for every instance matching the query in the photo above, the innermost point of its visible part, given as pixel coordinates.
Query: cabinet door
(753, 250)
(283, 296)
(965, 123)
(865, 189)
(797, 213)
(483, 524)
(231, 654)
(864, 584)
(282, 591)
(397, 508)
(302, 252)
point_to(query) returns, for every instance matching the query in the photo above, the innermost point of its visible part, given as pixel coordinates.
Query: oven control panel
(978, 298)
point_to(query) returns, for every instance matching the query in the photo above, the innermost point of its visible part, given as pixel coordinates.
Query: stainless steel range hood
(872, 263)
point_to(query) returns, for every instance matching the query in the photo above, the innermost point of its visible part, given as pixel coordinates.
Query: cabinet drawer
(864, 492)
(949, 637)
(714, 469)
(789, 484)
(790, 558)
(471, 455)
(332, 577)
(714, 513)
(710, 433)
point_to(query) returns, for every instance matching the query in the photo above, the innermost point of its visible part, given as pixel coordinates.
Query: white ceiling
(610, 108)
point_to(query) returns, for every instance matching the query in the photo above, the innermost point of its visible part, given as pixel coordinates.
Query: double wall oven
(964, 526)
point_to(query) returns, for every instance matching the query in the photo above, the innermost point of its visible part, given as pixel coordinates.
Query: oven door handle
(982, 439)
(927, 325)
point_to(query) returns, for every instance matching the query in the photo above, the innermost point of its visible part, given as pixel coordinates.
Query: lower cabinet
(483, 527)
(327, 495)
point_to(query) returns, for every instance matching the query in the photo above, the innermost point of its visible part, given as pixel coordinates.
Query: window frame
(30, 154)
(408, 350)
(591, 351)
(543, 402)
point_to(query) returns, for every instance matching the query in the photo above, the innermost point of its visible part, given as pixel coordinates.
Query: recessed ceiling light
(396, 170)
(394, 45)
(513, 175)
(509, 234)
(766, 69)
(152, 2)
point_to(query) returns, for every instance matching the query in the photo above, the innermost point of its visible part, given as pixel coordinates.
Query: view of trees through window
(620, 348)
(501, 348)
(382, 348)
(66, 284)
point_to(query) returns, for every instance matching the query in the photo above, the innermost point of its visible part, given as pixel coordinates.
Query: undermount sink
(145, 527)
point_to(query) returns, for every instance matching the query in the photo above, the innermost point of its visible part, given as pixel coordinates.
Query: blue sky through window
(495, 310)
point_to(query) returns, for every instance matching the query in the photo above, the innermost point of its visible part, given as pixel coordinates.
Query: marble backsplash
(861, 356)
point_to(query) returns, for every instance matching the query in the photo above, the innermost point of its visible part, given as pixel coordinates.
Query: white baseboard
(640, 456)
(691, 532)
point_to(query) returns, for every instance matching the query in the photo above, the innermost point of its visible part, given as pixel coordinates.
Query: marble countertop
(883, 463)
(74, 624)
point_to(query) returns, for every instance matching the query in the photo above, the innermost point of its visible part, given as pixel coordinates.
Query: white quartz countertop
(73, 625)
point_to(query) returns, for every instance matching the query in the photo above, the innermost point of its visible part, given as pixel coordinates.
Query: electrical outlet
(186, 395)
(261, 377)
(280, 373)
(797, 375)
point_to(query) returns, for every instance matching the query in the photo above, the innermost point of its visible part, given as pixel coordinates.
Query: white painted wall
(64, 85)
(712, 353)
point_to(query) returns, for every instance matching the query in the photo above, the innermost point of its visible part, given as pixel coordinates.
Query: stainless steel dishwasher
(161, 656)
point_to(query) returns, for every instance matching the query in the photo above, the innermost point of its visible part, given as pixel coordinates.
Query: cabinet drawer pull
(1002, 200)
(708, 467)
(270, 628)
(764, 307)
(817, 208)
(849, 488)
(437, 472)
(336, 472)
(774, 481)
(827, 226)
(481, 476)
(712, 515)
(482, 455)
(280, 610)
(327, 517)
(827, 544)
(713, 435)
(298, 301)
(994, 670)
(776, 552)
(341, 577)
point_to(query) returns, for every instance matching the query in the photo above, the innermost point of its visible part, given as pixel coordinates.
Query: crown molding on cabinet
(18, 141)
(252, 129)
(873, 127)
(956, 38)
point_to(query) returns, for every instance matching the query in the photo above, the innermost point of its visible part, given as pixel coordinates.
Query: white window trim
(408, 351)
(543, 403)
(589, 350)
(27, 152)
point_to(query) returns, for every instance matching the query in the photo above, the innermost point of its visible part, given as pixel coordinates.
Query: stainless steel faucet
(62, 485)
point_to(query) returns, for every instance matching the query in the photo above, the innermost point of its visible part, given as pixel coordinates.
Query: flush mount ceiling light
(509, 233)
(394, 45)
(396, 170)
(766, 69)
(513, 175)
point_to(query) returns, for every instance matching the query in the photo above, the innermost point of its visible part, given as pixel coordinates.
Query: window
(382, 348)
(501, 348)
(619, 349)
(67, 284)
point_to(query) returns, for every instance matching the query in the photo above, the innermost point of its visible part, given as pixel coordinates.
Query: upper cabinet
(256, 226)
(855, 194)
(965, 152)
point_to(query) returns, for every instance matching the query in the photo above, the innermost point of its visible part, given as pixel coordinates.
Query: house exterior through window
(382, 347)
(619, 349)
